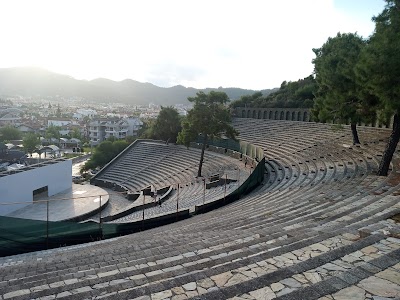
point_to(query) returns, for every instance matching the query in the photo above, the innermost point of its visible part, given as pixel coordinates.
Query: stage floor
(74, 202)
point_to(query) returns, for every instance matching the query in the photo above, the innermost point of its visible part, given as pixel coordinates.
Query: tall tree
(53, 132)
(75, 133)
(58, 112)
(338, 97)
(9, 133)
(30, 142)
(379, 68)
(104, 153)
(209, 118)
(167, 125)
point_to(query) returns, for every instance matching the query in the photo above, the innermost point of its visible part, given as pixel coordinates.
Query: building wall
(59, 123)
(121, 129)
(289, 114)
(19, 187)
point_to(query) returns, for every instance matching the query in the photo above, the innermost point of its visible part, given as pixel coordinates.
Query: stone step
(322, 280)
(68, 282)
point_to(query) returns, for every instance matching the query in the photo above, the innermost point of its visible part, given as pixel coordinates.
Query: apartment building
(102, 129)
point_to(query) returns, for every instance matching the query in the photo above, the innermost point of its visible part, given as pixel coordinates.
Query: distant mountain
(34, 82)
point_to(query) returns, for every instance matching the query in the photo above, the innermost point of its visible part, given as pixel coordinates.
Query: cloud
(170, 74)
(251, 44)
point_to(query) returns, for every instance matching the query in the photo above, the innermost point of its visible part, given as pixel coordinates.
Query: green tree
(254, 100)
(338, 97)
(9, 133)
(76, 133)
(104, 153)
(130, 139)
(209, 118)
(379, 69)
(52, 132)
(167, 125)
(111, 138)
(30, 142)
(146, 131)
(294, 94)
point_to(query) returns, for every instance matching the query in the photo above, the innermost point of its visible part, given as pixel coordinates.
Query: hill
(39, 82)
(294, 94)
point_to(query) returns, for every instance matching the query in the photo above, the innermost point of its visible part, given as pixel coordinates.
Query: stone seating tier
(317, 228)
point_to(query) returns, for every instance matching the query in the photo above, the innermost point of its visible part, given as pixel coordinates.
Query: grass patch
(72, 155)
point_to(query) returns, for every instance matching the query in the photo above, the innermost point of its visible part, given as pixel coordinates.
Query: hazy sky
(247, 44)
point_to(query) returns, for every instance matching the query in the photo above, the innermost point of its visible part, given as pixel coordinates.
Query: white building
(22, 185)
(59, 122)
(102, 129)
(82, 113)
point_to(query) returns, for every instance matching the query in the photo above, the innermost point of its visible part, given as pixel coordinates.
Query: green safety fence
(24, 235)
(221, 143)
(255, 178)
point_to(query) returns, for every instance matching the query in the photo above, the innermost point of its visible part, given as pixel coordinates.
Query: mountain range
(37, 82)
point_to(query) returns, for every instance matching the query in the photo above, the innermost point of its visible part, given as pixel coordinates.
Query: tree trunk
(390, 147)
(202, 155)
(355, 134)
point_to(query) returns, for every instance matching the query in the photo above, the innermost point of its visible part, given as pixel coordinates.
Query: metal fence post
(226, 178)
(204, 190)
(100, 222)
(177, 200)
(144, 196)
(47, 225)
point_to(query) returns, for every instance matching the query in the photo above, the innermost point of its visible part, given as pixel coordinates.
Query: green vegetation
(9, 133)
(340, 96)
(76, 133)
(291, 94)
(359, 80)
(30, 142)
(52, 132)
(166, 127)
(379, 70)
(146, 131)
(104, 153)
(209, 118)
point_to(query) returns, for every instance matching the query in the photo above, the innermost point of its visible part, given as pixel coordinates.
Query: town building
(102, 129)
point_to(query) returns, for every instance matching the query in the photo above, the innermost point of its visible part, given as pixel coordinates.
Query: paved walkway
(77, 201)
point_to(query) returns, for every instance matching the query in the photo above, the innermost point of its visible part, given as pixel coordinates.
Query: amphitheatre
(321, 224)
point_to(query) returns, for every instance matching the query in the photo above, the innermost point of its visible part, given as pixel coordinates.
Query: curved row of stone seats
(178, 167)
(121, 268)
(189, 197)
(266, 245)
(149, 163)
(150, 276)
(190, 194)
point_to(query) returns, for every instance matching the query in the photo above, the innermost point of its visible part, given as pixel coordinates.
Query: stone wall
(294, 114)
(289, 114)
